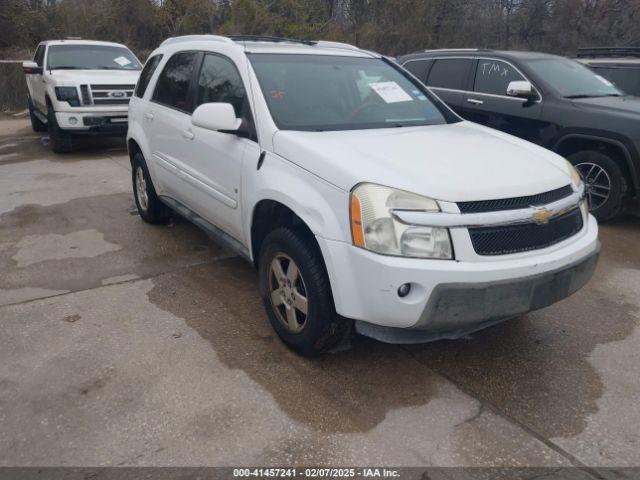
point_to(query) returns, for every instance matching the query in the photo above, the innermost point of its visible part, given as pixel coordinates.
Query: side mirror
(31, 68)
(219, 117)
(521, 89)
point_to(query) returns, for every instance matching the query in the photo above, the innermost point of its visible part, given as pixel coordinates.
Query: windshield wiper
(594, 96)
(66, 67)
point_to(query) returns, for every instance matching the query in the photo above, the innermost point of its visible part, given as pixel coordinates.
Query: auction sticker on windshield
(122, 61)
(390, 92)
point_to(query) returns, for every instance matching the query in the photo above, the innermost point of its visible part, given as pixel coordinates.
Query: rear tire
(605, 184)
(36, 124)
(150, 208)
(298, 299)
(60, 141)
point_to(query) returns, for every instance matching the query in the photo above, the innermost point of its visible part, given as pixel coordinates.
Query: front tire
(150, 208)
(60, 141)
(605, 183)
(296, 293)
(36, 124)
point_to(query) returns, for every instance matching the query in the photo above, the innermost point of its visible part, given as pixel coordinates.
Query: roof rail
(265, 38)
(609, 52)
(459, 50)
(195, 38)
(330, 44)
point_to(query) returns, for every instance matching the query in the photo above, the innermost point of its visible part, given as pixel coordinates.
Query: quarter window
(219, 81)
(494, 76)
(147, 73)
(450, 73)
(173, 84)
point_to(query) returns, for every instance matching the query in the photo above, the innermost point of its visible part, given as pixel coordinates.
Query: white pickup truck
(80, 87)
(361, 198)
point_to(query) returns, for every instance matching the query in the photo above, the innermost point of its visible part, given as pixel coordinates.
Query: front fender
(322, 206)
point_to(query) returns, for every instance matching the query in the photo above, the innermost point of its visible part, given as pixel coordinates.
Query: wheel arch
(268, 215)
(616, 149)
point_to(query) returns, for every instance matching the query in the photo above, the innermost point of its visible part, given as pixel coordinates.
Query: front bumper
(450, 298)
(457, 309)
(113, 123)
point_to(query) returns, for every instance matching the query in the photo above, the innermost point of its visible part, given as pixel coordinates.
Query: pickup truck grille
(516, 202)
(523, 237)
(111, 94)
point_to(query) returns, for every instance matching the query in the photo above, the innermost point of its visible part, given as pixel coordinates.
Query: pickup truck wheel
(150, 208)
(296, 293)
(605, 184)
(36, 124)
(60, 141)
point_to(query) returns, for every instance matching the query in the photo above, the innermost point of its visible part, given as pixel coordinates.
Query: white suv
(358, 195)
(80, 87)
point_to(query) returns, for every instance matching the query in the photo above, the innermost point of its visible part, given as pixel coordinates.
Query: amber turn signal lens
(357, 231)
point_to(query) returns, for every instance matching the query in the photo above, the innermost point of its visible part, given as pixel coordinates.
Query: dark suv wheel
(150, 208)
(296, 293)
(604, 182)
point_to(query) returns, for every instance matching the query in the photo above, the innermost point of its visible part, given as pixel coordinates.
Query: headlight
(374, 228)
(68, 94)
(576, 178)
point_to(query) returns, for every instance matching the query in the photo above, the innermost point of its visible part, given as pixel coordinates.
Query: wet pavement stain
(351, 391)
(142, 249)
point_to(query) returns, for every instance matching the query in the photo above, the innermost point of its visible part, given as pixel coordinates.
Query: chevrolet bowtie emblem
(542, 216)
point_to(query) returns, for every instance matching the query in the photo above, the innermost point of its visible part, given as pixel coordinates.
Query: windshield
(572, 79)
(91, 57)
(316, 92)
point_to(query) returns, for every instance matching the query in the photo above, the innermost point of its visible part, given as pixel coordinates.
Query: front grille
(84, 91)
(516, 202)
(526, 236)
(102, 94)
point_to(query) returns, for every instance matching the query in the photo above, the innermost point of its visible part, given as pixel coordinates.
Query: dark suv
(549, 100)
(619, 65)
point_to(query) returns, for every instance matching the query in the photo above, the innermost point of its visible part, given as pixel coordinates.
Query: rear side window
(494, 76)
(450, 73)
(146, 74)
(172, 88)
(219, 81)
(418, 68)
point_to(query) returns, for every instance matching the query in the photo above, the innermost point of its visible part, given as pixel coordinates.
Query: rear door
(489, 104)
(167, 119)
(448, 78)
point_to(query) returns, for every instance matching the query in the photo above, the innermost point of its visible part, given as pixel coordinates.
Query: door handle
(188, 134)
(148, 116)
(475, 101)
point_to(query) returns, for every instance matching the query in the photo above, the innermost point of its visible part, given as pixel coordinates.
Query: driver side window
(219, 81)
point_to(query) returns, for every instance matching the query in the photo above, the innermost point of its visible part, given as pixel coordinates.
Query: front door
(489, 104)
(35, 82)
(213, 165)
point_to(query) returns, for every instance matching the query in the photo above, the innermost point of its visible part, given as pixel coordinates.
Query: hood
(626, 104)
(454, 162)
(104, 77)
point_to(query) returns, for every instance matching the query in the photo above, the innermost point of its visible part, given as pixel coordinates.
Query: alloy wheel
(597, 183)
(288, 293)
(141, 189)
